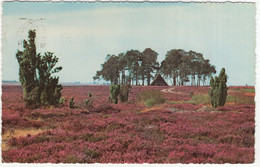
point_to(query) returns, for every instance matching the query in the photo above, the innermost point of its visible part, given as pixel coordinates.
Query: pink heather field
(184, 129)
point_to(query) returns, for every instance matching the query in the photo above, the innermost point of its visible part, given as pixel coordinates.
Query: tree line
(40, 88)
(137, 68)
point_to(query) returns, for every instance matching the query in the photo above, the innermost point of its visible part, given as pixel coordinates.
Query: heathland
(178, 127)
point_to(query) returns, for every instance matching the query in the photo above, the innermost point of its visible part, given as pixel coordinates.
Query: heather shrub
(109, 136)
(248, 141)
(92, 153)
(94, 138)
(150, 97)
(72, 103)
(200, 99)
(114, 92)
(70, 158)
(218, 91)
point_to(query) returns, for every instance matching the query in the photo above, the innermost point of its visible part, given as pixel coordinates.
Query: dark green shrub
(218, 91)
(89, 100)
(72, 103)
(114, 92)
(35, 74)
(62, 101)
(150, 97)
(89, 94)
(124, 92)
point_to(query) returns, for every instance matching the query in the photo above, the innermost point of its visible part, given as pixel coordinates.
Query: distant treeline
(135, 68)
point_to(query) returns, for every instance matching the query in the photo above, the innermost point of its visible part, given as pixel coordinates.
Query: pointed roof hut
(159, 81)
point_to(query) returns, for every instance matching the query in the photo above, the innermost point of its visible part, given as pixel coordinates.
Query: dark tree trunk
(142, 79)
(174, 80)
(148, 78)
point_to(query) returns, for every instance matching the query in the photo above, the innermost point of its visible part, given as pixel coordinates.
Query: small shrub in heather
(62, 101)
(89, 94)
(150, 97)
(72, 103)
(89, 100)
(114, 92)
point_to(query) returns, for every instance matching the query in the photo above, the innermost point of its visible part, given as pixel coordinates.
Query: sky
(82, 34)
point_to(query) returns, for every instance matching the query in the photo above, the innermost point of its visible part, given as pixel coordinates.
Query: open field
(184, 129)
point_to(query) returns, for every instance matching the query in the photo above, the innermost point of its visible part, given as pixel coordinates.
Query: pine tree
(218, 91)
(35, 70)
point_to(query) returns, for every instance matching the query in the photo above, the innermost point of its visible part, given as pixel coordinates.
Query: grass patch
(247, 100)
(177, 102)
(150, 98)
(200, 99)
(252, 90)
(151, 109)
(17, 133)
(231, 99)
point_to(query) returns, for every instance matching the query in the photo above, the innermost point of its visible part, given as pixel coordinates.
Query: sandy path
(171, 90)
(168, 90)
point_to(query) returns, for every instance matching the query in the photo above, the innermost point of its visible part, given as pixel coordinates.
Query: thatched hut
(159, 81)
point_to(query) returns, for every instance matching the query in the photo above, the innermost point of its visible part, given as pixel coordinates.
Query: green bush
(89, 94)
(150, 97)
(89, 100)
(72, 103)
(218, 91)
(150, 102)
(62, 101)
(35, 74)
(114, 92)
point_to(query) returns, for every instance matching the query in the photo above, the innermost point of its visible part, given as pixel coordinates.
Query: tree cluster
(186, 67)
(35, 74)
(129, 68)
(135, 67)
